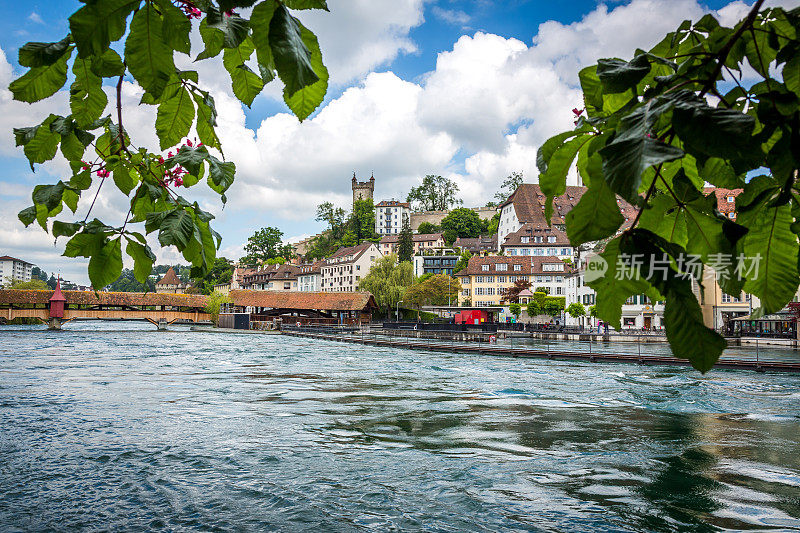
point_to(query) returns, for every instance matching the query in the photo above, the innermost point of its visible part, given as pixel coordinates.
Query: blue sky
(467, 89)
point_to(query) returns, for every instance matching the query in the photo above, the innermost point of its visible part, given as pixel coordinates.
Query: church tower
(363, 190)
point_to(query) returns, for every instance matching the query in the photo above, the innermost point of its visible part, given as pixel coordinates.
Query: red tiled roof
(416, 237)
(477, 243)
(324, 301)
(9, 258)
(170, 278)
(723, 205)
(11, 296)
(530, 265)
(355, 251)
(393, 203)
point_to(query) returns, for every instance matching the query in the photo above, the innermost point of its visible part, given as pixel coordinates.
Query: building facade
(477, 245)
(423, 242)
(272, 278)
(13, 269)
(171, 283)
(434, 264)
(309, 279)
(342, 271)
(485, 279)
(533, 239)
(390, 215)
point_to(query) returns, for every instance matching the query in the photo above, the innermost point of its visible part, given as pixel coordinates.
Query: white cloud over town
(479, 114)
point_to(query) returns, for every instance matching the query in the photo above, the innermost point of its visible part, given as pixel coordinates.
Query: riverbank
(204, 329)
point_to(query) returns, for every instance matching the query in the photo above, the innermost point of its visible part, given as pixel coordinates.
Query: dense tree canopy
(435, 193)
(461, 222)
(101, 152)
(265, 244)
(387, 281)
(707, 105)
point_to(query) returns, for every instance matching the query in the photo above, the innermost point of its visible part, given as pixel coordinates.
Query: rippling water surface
(102, 428)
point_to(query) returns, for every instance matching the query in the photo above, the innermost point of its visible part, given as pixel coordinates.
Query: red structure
(57, 302)
(472, 316)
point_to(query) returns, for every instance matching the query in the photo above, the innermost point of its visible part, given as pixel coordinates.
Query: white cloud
(451, 16)
(34, 17)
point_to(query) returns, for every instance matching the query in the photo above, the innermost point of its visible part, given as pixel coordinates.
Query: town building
(434, 264)
(272, 278)
(342, 271)
(478, 244)
(726, 200)
(535, 239)
(363, 190)
(171, 283)
(13, 269)
(390, 215)
(423, 242)
(309, 279)
(485, 279)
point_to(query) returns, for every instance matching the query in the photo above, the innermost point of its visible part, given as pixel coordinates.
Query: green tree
(435, 193)
(553, 305)
(265, 244)
(593, 311)
(463, 261)
(97, 146)
(127, 282)
(214, 302)
(511, 294)
(387, 281)
(576, 309)
(509, 185)
(536, 305)
(438, 289)
(37, 272)
(360, 225)
(656, 131)
(490, 226)
(516, 310)
(405, 243)
(36, 284)
(427, 227)
(461, 222)
(545, 290)
(221, 272)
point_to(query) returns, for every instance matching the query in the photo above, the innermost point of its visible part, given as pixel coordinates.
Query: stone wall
(436, 217)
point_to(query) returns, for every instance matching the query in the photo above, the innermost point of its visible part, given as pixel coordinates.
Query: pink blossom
(578, 112)
(178, 182)
(188, 142)
(160, 160)
(103, 173)
(169, 154)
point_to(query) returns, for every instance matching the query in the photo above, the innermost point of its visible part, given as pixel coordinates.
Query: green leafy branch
(154, 31)
(656, 131)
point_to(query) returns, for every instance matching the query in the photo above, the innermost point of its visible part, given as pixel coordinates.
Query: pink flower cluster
(577, 112)
(190, 10)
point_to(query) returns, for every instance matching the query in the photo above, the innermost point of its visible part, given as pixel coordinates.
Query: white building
(13, 269)
(342, 271)
(389, 216)
(309, 279)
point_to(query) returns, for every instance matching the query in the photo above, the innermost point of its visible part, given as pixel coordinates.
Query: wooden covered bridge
(318, 308)
(56, 308)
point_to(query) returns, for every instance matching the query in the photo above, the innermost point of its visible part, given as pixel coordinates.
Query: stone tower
(363, 190)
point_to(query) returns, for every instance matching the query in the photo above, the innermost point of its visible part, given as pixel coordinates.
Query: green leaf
(84, 244)
(81, 180)
(771, 240)
(27, 215)
(96, 24)
(65, 228)
(40, 144)
(176, 228)
(191, 158)
(688, 337)
(176, 27)
(106, 265)
(791, 74)
(174, 119)
(633, 150)
(206, 120)
(42, 54)
(715, 132)
(48, 195)
(143, 259)
(108, 64)
(719, 172)
(213, 39)
(148, 57)
(70, 199)
(291, 55)
(595, 217)
(306, 100)
(259, 21)
(123, 179)
(554, 180)
(306, 4)
(41, 82)
(234, 29)
(221, 175)
(246, 83)
(618, 76)
(87, 99)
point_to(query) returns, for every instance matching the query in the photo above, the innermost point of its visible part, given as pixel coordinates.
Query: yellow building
(485, 279)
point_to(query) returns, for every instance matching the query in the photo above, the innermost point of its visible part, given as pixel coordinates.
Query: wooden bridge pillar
(55, 323)
(162, 324)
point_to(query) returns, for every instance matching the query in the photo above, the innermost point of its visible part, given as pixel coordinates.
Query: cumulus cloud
(455, 17)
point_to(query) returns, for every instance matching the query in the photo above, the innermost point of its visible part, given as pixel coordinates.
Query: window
(485, 268)
(551, 239)
(553, 267)
(502, 266)
(731, 215)
(525, 240)
(501, 279)
(517, 268)
(465, 292)
(489, 279)
(629, 321)
(730, 199)
(479, 279)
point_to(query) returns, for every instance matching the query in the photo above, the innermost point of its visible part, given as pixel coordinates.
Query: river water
(133, 429)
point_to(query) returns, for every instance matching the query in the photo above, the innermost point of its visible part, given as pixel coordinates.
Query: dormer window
(526, 240)
(502, 266)
(730, 199)
(485, 268)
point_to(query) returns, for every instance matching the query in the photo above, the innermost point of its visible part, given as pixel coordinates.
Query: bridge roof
(22, 297)
(324, 301)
